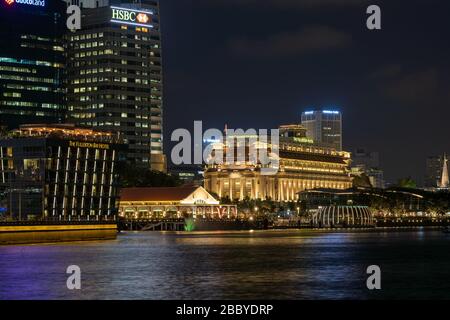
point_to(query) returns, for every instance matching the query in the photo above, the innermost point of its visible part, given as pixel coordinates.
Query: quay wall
(27, 234)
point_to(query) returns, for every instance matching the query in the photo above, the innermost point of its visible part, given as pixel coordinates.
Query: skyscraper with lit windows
(114, 76)
(31, 62)
(324, 127)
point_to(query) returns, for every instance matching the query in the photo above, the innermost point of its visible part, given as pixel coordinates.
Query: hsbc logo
(122, 15)
(142, 18)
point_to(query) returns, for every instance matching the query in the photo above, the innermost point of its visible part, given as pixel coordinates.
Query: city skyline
(108, 75)
(385, 102)
(235, 157)
(389, 84)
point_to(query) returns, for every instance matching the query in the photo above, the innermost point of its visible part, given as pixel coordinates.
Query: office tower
(31, 62)
(368, 159)
(114, 77)
(89, 3)
(324, 127)
(59, 171)
(188, 174)
(368, 163)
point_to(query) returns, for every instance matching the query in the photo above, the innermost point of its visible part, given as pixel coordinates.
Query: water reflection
(232, 265)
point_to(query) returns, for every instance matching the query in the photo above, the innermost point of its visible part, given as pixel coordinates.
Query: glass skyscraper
(114, 76)
(31, 62)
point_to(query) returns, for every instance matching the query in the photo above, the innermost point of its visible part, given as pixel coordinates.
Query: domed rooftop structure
(343, 216)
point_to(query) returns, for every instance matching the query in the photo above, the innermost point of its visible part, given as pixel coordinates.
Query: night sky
(258, 64)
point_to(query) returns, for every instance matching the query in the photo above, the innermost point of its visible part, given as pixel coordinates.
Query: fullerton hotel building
(302, 166)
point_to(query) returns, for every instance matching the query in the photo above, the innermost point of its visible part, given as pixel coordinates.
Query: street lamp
(256, 211)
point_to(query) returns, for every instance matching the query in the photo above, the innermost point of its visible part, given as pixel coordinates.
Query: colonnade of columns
(146, 211)
(274, 187)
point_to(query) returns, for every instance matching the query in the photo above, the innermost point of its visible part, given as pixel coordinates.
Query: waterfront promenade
(22, 232)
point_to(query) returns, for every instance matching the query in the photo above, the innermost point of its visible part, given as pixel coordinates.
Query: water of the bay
(233, 265)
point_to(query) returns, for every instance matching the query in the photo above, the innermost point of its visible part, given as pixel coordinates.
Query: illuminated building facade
(172, 202)
(59, 172)
(115, 76)
(31, 62)
(324, 127)
(302, 166)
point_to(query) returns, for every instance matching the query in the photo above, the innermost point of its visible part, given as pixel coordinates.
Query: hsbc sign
(118, 15)
(132, 17)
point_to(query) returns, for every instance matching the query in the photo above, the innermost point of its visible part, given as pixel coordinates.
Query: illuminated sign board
(131, 17)
(38, 3)
(330, 112)
(303, 140)
(79, 144)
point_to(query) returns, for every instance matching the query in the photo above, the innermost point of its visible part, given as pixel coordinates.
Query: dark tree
(406, 183)
(362, 181)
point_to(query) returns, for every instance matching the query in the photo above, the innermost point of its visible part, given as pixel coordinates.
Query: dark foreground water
(233, 265)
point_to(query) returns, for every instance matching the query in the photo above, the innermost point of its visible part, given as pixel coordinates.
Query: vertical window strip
(75, 181)
(66, 178)
(3, 165)
(111, 181)
(102, 183)
(83, 196)
(56, 181)
(94, 178)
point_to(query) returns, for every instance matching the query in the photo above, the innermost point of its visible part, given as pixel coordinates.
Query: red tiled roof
(156, 194)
